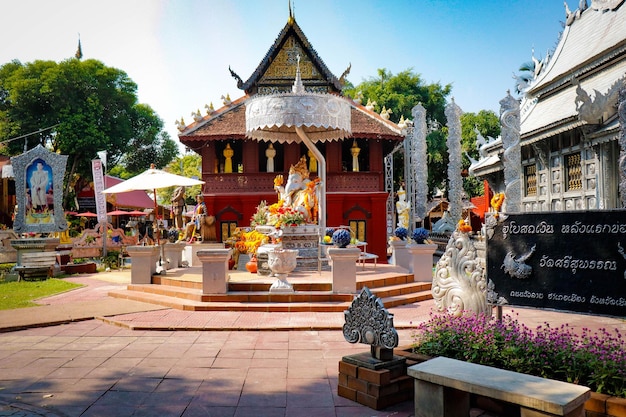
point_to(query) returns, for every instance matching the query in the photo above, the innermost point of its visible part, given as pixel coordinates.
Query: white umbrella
(152, 179)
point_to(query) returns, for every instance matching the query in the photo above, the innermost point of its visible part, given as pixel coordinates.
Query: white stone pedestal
(400, 255)
(344, 269)
(214, 270)
(173, 254)
(191, 251)
(143, 263)
(421, 265)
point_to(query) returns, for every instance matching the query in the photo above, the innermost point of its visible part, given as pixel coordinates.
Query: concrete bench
(443, 387)
(36, 264)
(364, 256)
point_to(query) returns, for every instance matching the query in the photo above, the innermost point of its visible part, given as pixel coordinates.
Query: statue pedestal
(304, 239)
(214, 270)
(143, 263)
(173, 254)
(344, 269)
(191, 251)
(36, 244)
(400, 255)
(421, 265)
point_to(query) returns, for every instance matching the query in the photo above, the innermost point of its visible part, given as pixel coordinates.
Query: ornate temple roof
(276, 74)
(588, 63)
(229, 122)
(277, 70)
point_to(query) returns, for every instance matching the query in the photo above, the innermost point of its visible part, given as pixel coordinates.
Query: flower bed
(593, 359)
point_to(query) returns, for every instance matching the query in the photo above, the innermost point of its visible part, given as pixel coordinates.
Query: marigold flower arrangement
(464, 226)
(249, 241)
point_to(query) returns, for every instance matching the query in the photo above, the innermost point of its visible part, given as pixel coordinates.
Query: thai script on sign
(608, 301)
(581, 228)
(513, 228)
(567, 262)
(527, 294)
(569, 298)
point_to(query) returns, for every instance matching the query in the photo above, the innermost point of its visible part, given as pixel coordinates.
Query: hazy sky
(178, 51)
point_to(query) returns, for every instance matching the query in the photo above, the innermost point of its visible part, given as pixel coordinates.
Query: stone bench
(443, 387)
(36, 264)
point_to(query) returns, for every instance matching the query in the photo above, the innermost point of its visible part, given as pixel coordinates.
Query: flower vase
(251, 265)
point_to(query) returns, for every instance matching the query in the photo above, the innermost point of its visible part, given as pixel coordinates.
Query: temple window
(358, 229)
(266, 150)
(530, 180)
(349, 152)
(227, 228)
(229, 154)
(312, 163)
(573, 169)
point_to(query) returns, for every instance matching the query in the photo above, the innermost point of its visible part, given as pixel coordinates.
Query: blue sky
(179, 51)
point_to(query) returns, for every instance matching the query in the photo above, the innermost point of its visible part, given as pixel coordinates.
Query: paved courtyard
(58, 360)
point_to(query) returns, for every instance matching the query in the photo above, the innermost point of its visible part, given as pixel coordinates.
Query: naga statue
(299, 193)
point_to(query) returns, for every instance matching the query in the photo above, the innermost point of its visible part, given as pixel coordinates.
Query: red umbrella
(136, 213)
(87, 214)
(118, 213)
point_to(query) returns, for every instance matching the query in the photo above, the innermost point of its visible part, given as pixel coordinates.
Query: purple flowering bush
(593, 359)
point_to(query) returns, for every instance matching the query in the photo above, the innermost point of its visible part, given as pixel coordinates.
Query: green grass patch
(21, 294)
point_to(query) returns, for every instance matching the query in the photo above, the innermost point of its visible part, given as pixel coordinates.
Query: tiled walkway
(102, 367)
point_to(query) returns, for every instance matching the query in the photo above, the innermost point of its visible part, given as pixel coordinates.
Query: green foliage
(191, 167)
(112, 259)
(402, 92)
(488, 124)
(21, 294)
(92, 108)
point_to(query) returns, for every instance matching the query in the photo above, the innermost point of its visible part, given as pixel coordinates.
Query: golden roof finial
(291, 16)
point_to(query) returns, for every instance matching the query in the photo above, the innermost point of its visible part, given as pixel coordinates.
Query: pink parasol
(86, 214)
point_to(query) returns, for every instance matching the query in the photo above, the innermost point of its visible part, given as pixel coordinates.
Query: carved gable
(281, 72)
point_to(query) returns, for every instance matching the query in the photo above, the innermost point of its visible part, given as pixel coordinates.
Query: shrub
(593, 359)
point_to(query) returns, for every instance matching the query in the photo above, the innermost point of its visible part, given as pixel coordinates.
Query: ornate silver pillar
(455, 181)
(510, 133)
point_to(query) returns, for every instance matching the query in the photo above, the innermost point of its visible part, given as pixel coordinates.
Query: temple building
(239, 172)
(570, 128)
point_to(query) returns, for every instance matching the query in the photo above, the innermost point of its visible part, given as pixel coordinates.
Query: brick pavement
(132, 361)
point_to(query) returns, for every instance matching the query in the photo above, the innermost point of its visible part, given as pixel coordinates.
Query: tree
(401, 93)
(188, 166)
(90, 107)
(488, 124)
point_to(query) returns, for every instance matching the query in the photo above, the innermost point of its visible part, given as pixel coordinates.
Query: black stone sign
(573, 261)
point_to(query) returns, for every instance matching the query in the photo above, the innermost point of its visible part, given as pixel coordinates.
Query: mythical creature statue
(299, 193)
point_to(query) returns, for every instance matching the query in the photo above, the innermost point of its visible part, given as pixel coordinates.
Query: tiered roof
(275, 74)
(591, 53)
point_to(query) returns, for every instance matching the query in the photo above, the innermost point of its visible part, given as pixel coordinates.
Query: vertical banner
(98, 185)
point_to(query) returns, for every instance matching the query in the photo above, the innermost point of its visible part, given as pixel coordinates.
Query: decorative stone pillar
(173, 254)
(400, 255)
(143, 263)
(421, 264)
(344, 268)
(214, 270)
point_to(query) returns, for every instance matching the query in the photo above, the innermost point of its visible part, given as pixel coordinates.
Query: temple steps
(249, 292)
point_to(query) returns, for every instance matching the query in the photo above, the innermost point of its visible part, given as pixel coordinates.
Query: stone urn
(282, 262)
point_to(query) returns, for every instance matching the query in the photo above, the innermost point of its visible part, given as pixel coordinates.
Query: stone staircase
(313, 293)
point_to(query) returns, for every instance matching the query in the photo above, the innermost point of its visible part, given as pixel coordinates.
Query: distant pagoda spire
(79, 51)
